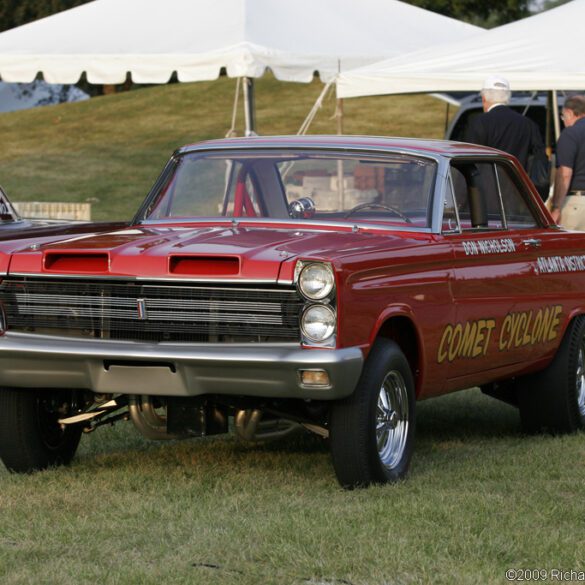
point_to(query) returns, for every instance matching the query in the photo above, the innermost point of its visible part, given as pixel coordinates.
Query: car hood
(234, 252)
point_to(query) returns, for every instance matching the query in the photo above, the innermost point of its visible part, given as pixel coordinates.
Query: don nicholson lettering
(499, 246)
(472, 338)
(556, 264)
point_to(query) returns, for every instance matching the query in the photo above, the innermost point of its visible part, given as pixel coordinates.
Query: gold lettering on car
(529, 327)
(465, 340)
(471, 339)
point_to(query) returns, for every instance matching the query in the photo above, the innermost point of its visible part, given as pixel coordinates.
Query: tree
(486, 14)
(17, 12)
(553, 4)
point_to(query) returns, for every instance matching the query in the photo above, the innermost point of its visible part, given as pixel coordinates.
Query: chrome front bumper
(171, 369)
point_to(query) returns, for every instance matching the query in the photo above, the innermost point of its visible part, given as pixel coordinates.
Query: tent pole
(446, 119)
(555, 104)
(249, 106)
(548, 129)
(552, 112)
(339, 116)
(340, 171)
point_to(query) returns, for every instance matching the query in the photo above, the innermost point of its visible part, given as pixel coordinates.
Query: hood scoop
(204, 265)
(83, 262)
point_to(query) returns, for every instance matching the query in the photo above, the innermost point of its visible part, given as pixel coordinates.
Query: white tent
(151, 39)
(542, 52)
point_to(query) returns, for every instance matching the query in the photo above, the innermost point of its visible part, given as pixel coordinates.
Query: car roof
(376, 143)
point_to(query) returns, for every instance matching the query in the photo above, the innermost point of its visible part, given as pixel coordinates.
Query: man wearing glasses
(568, 203)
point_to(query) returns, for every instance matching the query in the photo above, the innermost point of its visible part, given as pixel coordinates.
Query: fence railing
(53, 210)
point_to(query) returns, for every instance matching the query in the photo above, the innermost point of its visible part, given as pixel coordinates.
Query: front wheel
(554, 400)
(31, 437)
(372, 431)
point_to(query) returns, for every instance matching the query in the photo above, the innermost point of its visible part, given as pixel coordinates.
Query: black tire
(30, 436)
(554, 400)
(372, 431)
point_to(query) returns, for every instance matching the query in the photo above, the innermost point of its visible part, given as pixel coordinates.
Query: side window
(518, 214)
(477, 195)
(7, 213)
(450, 223)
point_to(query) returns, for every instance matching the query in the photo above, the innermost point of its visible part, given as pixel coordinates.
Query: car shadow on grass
(458, 429)
(469, 414)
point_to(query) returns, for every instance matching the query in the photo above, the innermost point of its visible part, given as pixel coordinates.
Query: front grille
(151, 312)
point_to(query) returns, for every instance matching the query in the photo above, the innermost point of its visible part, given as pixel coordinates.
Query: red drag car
(324, 282)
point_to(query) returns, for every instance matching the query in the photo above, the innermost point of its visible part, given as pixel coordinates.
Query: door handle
(532, 243)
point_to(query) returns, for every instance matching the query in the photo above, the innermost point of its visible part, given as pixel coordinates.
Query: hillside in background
(110, 149)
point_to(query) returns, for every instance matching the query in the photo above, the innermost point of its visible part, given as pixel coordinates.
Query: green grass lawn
(480, 498)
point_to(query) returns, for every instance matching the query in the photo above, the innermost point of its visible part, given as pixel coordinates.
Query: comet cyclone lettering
(528, 328)
(468, 340)
(471, 339)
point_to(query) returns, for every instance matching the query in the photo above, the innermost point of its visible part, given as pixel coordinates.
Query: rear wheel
(554, 400)
(30, 436)
(372, 431)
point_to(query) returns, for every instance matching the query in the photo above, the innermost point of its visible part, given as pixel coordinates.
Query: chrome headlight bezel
(317, 273)
(328, 317)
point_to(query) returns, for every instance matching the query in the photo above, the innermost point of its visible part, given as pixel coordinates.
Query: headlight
(318, 323)
(316, 281)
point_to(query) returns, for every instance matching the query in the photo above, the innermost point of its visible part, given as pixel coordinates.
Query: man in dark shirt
(568, 204)
(505, 129)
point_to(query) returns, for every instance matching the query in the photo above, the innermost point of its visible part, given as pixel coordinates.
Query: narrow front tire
(31, 438)
(372, 431)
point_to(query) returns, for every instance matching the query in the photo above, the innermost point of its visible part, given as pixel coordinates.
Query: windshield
(395, 189)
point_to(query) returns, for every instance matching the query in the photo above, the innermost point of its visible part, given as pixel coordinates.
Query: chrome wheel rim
(580, 378)
(392, 420)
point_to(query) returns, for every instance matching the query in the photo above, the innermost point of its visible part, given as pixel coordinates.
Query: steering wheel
(378, 206)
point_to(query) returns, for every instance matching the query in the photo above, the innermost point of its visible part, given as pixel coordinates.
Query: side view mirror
(303, 208)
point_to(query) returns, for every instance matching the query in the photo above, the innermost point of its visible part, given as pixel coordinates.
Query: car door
(496, 238)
